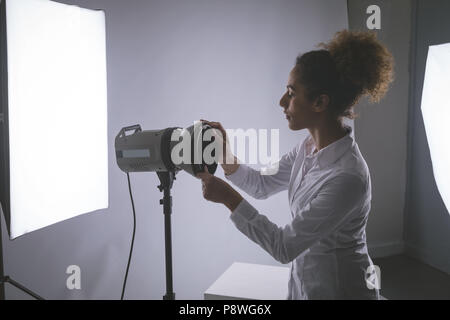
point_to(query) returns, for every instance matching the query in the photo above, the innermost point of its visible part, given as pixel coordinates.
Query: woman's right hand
(228, 162)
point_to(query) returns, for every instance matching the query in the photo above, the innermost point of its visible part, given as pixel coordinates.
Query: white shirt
(329, 194)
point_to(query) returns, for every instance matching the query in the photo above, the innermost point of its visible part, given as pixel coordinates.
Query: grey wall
(427, 221)
(170, 63)
(381, 129)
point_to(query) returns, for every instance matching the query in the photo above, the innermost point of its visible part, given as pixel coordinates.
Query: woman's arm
(329, 210)
(229, 169)
(262, 186)
(259, 184)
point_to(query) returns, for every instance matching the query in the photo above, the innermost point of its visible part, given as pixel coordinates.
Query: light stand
(7, 279)
(166, 178)
(151, 151)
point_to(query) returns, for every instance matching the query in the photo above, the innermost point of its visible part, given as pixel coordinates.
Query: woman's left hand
(217, 190)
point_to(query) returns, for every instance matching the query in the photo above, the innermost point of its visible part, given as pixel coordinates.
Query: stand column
(166, 184)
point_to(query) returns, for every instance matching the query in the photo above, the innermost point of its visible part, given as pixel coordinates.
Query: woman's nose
(283, 101)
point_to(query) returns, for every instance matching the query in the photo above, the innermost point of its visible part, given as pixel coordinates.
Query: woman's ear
(321, 103)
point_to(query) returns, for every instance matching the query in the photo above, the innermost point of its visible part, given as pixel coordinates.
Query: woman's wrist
(233, 199)
(230, 168)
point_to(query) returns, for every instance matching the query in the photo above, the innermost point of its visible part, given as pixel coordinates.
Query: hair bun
(362, 62)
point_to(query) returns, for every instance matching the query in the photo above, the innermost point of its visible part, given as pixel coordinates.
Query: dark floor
(405, 278)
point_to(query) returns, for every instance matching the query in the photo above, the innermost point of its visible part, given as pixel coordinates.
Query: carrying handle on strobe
(136, 128)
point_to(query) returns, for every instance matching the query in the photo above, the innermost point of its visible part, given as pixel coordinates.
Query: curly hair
(351, 65)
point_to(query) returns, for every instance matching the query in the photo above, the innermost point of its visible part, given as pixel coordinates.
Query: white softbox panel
(436, 115)
(57, 112)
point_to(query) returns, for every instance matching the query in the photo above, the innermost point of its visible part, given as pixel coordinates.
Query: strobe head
(140, 150)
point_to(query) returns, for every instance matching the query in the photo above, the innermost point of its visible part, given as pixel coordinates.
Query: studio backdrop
(168, 63)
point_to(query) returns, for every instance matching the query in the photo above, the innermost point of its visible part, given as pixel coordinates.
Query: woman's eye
(290, 94)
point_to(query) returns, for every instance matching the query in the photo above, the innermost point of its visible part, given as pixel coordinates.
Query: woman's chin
(294, 127)
(291, 125)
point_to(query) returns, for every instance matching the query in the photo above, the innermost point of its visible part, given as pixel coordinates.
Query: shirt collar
(330, 153)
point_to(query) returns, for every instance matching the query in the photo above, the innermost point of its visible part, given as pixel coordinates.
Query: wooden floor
(405, 278)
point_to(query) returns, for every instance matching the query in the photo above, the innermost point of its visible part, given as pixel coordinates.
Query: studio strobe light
(163, 150)
(166, 152)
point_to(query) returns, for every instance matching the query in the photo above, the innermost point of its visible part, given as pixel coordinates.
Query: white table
(250, 281)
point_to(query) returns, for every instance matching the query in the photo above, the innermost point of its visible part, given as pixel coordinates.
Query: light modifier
(436, 115)
(54, 105)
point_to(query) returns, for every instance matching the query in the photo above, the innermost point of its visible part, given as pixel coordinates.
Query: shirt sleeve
(328, 211)
(261, 184)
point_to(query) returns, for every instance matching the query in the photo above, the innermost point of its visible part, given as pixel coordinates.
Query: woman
(326, 176)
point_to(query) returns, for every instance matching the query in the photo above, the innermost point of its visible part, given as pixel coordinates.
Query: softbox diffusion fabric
(436, 115)
(57, 112)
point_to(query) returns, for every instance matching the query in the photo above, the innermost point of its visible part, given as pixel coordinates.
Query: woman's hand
(228, 161)
(217, 190)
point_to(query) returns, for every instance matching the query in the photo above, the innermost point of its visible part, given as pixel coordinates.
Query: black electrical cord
(132, 239)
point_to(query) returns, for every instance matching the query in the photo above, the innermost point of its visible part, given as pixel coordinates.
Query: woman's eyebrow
(290, 87)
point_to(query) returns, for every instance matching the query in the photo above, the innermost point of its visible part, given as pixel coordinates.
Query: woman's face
(298, 109)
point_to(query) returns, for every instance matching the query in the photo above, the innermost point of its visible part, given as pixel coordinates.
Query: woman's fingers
(222, 138)
(217, 134)
(213, 124)
(216, 125)
(206, 179)
(204, 174)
